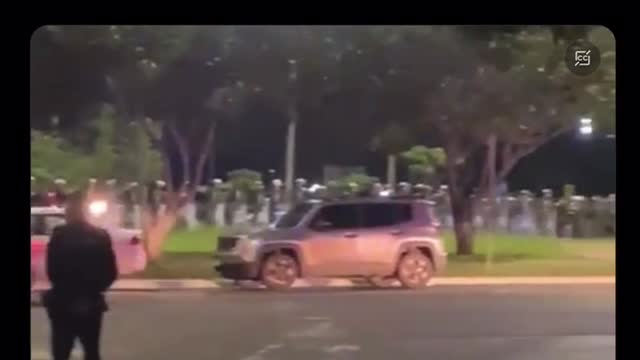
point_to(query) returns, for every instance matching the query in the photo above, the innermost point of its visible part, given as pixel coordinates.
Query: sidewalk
(199, 284)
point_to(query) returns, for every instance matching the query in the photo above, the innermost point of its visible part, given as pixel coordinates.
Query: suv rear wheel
(414, 270)
(279, 271)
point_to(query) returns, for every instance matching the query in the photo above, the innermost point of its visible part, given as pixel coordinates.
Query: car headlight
(248, 248)
(98, 207)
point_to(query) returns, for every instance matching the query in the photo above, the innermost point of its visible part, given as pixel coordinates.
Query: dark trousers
(66, 327)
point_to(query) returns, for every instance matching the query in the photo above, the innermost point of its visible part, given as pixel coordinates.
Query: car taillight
(134, 240)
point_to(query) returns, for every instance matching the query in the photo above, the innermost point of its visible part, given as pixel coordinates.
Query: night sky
(65, 84)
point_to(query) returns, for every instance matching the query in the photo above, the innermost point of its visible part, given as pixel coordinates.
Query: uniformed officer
(81, 265)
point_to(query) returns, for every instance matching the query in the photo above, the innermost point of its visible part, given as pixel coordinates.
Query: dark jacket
(81, 262)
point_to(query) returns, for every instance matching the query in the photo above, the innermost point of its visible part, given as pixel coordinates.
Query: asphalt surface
(448, 322)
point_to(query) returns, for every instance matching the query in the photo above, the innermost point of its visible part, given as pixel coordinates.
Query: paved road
(453, 323)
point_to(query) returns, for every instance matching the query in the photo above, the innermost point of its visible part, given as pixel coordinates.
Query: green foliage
(355, 184)
(127, 156)
(424, 163)
(53, 157)
(419, 174)
(146, 47)
(104, 152)
(123, 151)
(137, 160)
(244, 180)
(537, 61)
(428, 157)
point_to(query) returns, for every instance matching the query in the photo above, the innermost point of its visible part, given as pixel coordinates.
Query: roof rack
(372, 199)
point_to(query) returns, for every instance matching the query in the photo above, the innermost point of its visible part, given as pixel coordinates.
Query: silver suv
(382, 240)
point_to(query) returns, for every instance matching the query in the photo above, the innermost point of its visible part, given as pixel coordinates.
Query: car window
(293, 217)
(335, 217)
(403, 213)
(43, 225)
(377, 215)
(51, 221)
(36, 225)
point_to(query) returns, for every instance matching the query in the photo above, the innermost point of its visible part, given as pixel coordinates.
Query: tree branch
(511, 158)
(204, 153)
(168, 173)
(184, 153)
(451, 170)
(484, 177)
(118, 99)
(155, 137)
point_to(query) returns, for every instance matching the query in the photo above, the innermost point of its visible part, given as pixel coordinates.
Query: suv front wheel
(414, 270)
(279, 271)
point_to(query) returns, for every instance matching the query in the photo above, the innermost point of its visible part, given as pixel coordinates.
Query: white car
(127, 243)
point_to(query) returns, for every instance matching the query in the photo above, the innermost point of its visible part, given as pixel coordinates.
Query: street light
(586, 130)
(586, 126)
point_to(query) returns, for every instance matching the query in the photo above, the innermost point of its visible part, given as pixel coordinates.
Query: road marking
(258, 355)
(341, 348)
(314, 331)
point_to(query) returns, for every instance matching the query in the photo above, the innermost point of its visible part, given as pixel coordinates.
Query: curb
(150, 285)
(560, 280)
(199, 284)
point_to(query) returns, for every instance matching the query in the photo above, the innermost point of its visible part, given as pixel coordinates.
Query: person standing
(81, 266)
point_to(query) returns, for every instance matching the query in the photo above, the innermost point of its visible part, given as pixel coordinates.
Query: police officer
(81, 265)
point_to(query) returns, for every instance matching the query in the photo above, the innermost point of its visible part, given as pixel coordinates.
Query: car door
(39, 240)
(42, 226)
(331, 247)
(377, 237)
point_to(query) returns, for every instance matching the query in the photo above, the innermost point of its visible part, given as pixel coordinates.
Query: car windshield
(293, 217)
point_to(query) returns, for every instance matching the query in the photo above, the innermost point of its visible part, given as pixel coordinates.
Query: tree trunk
(491, 183)
(156, 229)
(462, 208)
(461, 205)
(212, 161)
(290, 152)
(202, 160)
(183, 151)
(391, 171)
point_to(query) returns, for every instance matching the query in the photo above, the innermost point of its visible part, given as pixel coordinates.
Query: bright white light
(315, 187)
(586, 130)
(385, 193)
(585, 121)
(97, 208)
